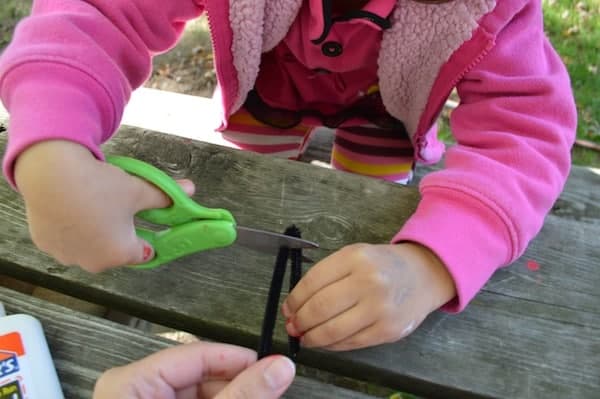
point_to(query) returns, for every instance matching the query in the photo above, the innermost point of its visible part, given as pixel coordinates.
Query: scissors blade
(269, 242)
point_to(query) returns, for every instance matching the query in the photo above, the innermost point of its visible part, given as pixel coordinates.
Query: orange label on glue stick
(12, 343)
(11, 347)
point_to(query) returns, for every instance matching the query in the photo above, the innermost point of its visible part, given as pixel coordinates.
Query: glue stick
(26, 367)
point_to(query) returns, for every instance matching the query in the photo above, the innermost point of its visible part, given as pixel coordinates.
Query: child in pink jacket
(377, 71)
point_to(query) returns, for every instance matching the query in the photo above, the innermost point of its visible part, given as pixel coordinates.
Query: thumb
(268, 378)
(150, 196)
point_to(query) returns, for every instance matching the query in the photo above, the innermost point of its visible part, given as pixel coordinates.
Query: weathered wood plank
(580, 199)
(529, 334)
(83, 346)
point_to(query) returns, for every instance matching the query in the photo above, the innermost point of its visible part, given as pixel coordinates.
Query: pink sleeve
(515, 126)
(72, 65)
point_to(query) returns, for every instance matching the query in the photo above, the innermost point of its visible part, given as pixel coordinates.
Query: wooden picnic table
(83, 346)
(530, 333)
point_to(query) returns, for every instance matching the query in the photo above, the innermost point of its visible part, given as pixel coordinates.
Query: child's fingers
(341, 327)
(324, 273)
(145, 195)
(379, 333)
(188, 186)
(148, 196)
(125, 248)
(141, 252)
(362, 339)
(325, 305)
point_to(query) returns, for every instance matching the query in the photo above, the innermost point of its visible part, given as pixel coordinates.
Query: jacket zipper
(441, 100)
(217, 61)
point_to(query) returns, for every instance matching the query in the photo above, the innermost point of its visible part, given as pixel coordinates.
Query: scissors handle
(191, 226)
(183, 209)
(186, 239)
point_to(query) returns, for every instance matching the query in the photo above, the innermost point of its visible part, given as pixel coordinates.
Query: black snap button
(332, 49)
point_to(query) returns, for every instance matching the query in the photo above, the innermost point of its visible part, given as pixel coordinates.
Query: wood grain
(527, 334)
(84, 346)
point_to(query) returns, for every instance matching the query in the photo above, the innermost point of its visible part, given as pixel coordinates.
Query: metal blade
(269, 242)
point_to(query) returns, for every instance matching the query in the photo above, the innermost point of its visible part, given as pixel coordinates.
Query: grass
(10, 13)
(573, 27)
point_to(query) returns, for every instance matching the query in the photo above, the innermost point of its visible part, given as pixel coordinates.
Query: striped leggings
(364, 149)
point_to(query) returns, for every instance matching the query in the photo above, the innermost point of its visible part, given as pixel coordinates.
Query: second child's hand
(81, 210)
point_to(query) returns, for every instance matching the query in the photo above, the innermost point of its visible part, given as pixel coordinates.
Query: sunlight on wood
(192, 117)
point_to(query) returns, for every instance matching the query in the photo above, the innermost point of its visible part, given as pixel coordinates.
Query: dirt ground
(187, 68)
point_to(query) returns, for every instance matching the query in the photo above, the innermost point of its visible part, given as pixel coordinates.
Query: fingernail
(187, 186)
(286, 310)
(291, 328)
(279, 373)
(148, 253)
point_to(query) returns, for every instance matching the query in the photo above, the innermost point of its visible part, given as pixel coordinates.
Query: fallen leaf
(573, 30)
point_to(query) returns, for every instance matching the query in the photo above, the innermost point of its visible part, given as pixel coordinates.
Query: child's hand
(80, 210)
(365, 295)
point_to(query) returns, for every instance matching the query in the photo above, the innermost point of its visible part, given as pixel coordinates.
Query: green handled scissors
(192, 227)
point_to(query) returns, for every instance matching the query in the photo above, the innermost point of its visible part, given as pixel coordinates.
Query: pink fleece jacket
(72, 65)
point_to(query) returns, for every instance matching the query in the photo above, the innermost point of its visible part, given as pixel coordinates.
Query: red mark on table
(533, 265)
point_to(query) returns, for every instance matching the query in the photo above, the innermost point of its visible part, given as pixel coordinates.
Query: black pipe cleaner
(271, 309)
